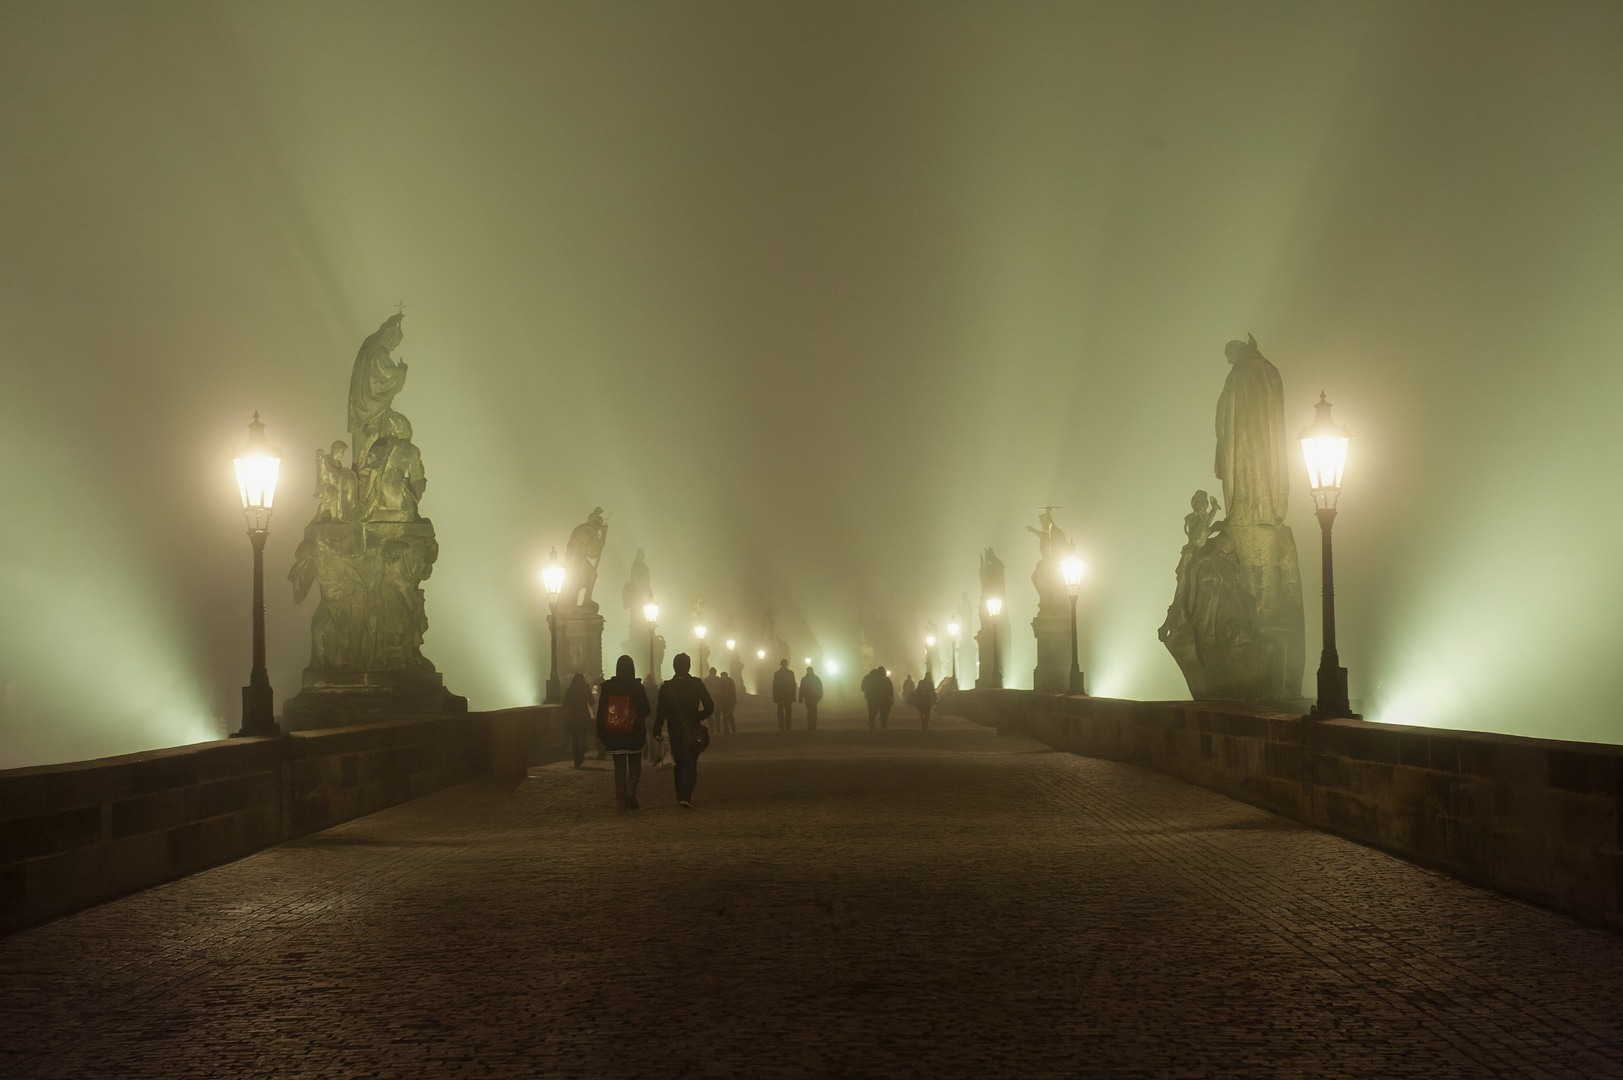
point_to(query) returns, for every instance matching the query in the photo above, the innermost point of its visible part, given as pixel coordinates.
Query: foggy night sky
(818, 300)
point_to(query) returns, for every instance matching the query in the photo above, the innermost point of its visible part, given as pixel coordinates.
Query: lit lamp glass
(929, 639)
(760, 654)
(952, 630)
(650, 611)
(830, 666)
(1073, 568)
(1324, 449)
(698, 632)
(552, 577)
(258, 465)
(731, 644)
(993, 606)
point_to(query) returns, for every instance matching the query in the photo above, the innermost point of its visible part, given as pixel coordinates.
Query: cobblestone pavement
(844, 904)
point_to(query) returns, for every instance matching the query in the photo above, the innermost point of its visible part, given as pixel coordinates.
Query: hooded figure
(924, 700)
(784, 689)
(578, 715)
(622, 725)
(811, 692)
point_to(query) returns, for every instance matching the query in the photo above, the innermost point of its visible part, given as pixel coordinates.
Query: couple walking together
(622, 715)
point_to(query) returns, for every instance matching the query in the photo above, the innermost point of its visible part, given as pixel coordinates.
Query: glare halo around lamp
(1073, 568)
(929, 643)
(993, 606)
(699, 632)
(258, 464)
(952, 632)
(1324, 448)
(552, 580)
(650, 612)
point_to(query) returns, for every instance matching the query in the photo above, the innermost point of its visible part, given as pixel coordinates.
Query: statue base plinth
(580, 643)
(1052, 675)
(345, 698)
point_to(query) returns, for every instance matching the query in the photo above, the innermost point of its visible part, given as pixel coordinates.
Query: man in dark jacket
(811, 692)
(726, 702)
(784, 689)
(881, 694)
(622, 715)
(684, 704)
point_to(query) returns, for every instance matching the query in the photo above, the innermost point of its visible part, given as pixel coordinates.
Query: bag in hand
(698, 738)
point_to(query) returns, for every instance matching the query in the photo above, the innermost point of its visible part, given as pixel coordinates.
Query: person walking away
(887, 696)
(622, 725)
(784, 689)
(811, 692)
(578, 716)
(726, 702)
(870, 694)
(654, 751)
(924, 699)
(907, 691)
(684, 705)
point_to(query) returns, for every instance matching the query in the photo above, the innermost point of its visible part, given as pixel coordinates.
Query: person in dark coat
(684, 704)
(811, 692)
(622, 725)
(726, 702)
(784, 689)
(578, 716)
(880, 693)
(924, 698)
(907, 691)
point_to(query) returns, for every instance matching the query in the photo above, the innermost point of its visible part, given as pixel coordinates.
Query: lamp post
(552, 579)
(258, 464)
(698, 632)
(1324, 448)
(993, 606)
(952, 632)
(1073, 566)
(650, 611)
(929, 643)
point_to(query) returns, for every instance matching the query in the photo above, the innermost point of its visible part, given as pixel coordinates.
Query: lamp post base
(1332, 703)
(1077, 684)
(258, 714)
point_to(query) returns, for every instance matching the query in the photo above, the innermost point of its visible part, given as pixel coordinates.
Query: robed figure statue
(1235, 624)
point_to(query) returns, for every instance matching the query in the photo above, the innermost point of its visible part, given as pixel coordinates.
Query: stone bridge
(963, 901)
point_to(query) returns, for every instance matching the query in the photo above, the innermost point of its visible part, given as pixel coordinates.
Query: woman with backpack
(622, 725)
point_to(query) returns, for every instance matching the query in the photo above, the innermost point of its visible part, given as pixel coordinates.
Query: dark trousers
(884, 714)
(786, 716)
(727, 724)
(924, 717)
(577, 742)
(873, 711)
(811, 716)
(687, 768)
(627, 773)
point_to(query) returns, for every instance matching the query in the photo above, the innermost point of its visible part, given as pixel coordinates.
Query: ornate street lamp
(1324, 447)
(650, 611)
(1073, 567)
(993, 606)
(552, 579)
(952, 632)
(258, 464)
(698, 632)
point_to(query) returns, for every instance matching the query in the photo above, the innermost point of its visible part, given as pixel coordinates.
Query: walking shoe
(684, 804)
(634, 804)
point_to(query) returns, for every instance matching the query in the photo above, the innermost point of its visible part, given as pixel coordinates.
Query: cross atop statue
(401, 307)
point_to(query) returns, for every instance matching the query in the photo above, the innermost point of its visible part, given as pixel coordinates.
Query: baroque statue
(367, 552)
(634, 594)
(1235, 624)
(581, 558)
(1052, 626)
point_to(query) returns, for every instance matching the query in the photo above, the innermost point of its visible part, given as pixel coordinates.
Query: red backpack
(621, 716)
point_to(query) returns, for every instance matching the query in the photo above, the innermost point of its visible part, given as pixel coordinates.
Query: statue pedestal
(580, 643)
(343, 698)
(1236, 626)
(989, 674)
(1052, 674)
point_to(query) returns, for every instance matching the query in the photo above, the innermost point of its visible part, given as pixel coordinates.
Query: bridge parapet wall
(76, 834)
(1535, 818)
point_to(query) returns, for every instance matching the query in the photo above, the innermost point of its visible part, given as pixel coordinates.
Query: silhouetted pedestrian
(784, 689)
(578, 716)
(811, 692)
(622, 715)
(726, 702)
(907, 691)
(924, 699)
(685, 705)
(880, 693)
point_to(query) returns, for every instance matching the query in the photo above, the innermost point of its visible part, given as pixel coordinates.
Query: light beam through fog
(820, 302)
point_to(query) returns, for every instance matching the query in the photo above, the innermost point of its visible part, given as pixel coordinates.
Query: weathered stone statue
(576, 619)
(1052, 626)
(581, 556)
(991, 638)
(368, 552)
(637, 592)
(1235, 624)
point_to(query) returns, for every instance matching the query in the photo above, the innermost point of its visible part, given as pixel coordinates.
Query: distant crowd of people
(620, 706)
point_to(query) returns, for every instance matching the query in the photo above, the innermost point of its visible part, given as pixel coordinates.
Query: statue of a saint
(1049, 576)
(1251, 446)
(991, 576)
(394, 469)
(373, 383)
(581, 556)
(639, 589)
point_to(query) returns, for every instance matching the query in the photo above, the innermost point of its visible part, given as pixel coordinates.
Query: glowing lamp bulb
(760, 654)
(731, 644)
(258, 463)
(993, 606)
(1324, 448)
(552, 577)
(929, 640)
(1073, 568)
(698, 632)
(650, 611)
(952, 629)
(831, 667)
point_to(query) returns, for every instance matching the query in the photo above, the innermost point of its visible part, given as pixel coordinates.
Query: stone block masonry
(76, 834)
(1537, 819)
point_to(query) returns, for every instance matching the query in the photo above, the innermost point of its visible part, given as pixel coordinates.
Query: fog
(819, 301)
